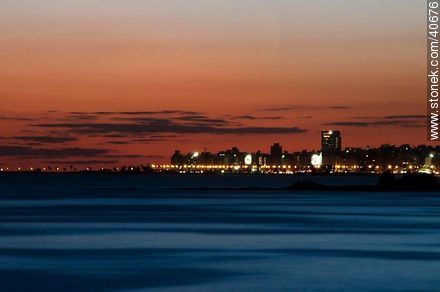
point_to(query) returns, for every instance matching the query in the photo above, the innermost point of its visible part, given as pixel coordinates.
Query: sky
(112, 82)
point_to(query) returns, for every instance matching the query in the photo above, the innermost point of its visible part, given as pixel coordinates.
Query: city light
(331, 159)
(248, 159)
(316, 160)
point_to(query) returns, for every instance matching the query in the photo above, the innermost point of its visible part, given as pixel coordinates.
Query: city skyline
(64, 148)
(330, 157)
(219, 145)
(129, 82)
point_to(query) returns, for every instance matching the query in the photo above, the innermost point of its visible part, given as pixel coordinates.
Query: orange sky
(354, 65)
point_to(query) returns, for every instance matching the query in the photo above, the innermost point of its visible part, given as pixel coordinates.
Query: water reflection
(64, 238)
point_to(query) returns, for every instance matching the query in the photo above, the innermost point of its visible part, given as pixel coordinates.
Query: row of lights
(3, 169)
(221, 166)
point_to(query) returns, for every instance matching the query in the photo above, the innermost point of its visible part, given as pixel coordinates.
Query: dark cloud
(165, 136)
(15, 118)
(244, 117)
(166, 126)
(406, 117)
(278, 109)
(392, 117)
(187, 123)
(349, 124)
(339, 107)
(118, 142)
(156, 138)
(81, 117)
(33, 152)
(137, 113)
(137, 124)
(406, 121)
(81, 162)
(202, 119)
(62, 153)
(46, 139)
(149, 140)
(134, 141)
(187, 119)
(305, 107)
(128, 156)
(250, 117)
(113, 136)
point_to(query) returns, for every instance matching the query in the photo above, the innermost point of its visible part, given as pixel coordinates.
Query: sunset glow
(118, 82)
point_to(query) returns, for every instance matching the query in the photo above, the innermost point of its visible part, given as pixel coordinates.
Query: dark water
(136, 233)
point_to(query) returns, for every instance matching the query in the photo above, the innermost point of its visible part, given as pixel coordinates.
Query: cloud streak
(305, 107)
(405, 121)
(137, 113)
(250, 117)
(45, 139)
(31, 152)
(167, 127)
(81, 162)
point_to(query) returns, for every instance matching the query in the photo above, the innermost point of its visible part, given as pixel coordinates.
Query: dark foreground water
(116, 233)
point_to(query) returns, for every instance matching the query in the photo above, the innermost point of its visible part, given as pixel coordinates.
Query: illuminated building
(396, 159)
(316, 160)
(331, 141)
(330, 147)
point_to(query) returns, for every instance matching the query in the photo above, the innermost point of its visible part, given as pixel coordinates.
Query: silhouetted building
(330, 147)
(262, 158)
(178, 158)
(276, 153)
(331, 141)
(397, 159)
(230, 157)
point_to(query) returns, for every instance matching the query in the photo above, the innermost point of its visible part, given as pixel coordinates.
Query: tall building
(276, 153)
(331, 142)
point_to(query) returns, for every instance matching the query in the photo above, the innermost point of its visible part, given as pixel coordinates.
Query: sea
(103, 232)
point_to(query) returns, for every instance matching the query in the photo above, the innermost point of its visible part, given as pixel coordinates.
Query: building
(331, 142)
(276, 154)
(396, 159)
(178, 158)
(232, 156)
